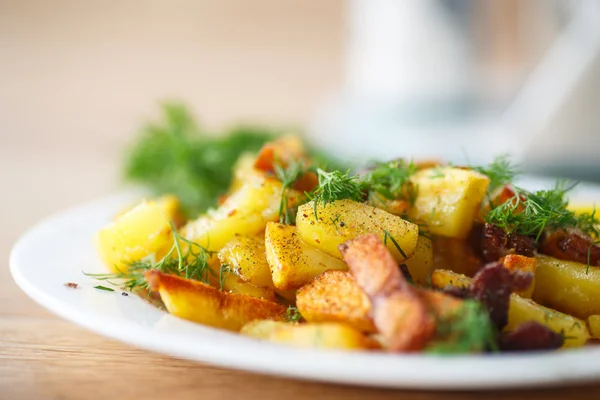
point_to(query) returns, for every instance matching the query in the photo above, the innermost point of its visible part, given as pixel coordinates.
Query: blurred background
(457, 79)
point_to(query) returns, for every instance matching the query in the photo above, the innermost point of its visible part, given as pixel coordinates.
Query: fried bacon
(529, 336)
(399, 313)
(492, 286)
(493, 243)
(571, 246)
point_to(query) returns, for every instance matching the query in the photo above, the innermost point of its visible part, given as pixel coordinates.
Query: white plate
(58, 249)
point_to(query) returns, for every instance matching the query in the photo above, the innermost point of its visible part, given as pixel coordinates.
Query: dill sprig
(288, 176)
(392, 180)
(500, 171)
(191, 264)
(467, 330)
(292, 314)
(529, 214)
(336, 185)
(589, 223)
(223, 273)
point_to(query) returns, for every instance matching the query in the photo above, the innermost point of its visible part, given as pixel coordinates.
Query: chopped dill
(292, 314)
(467, 330)
(530, 213)
(223, 273)
(386, 235)
(191, 264)
(288, 176)
(500, 171)
(392, 180)
(336, 185)
(100, 287)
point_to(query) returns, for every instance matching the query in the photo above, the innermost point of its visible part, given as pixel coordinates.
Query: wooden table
(43, 357)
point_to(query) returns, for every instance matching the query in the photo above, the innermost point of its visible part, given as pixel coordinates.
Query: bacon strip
(399, 313)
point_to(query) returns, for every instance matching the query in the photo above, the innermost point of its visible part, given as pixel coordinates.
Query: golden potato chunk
(199, 302)
(343, 220)
(245, 255)
(327, 335)
(420, 264)
(567, 286)
(293, 262)
(138, 233)
(594, 326)
(522, 310)
(245, 212)
(399, 314)
(334, 296)
(448, 200)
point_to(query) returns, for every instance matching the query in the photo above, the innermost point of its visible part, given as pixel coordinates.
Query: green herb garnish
(544, 209)
(386, 235)
(288, 176)
(191, 264)
(500, 171)
(390, 179)
(223, 273)
(100, 287)
(292, 314)
(336, 185)
(467, 330)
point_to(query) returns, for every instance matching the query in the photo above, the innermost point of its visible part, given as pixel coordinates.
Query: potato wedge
(245, 212)
(334, 296)
(245, 255)
(199, 302)
(593, 322)
(567, 286)
(515, 262)
(242, 171)
(448, 200)
(343, 220)
(420, 264)
(143, 231)
(399, 314)
(523, 310)
(328, 335)
(294, 263)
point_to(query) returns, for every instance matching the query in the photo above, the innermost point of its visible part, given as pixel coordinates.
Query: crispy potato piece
(234, 284)
(140, 232)
(449, 200)
(245, 212)
(523, 310)
(567, 286)
(246, 257)
(334, 296)
(294, 263)
(593, 322)
(198, 302)
(398, 312)
(328, 335)
(242, 171)
(420, 264)
(343, 220)
(515, 262)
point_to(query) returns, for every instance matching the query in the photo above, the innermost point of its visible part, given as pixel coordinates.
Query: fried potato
(242, 171)
(522, 310)
(515, 262)
(593, 322)
(334, 296)
(245, 255)
(398, 312)
(294, 263)
(343, 220)
(420, 264)
(327, 335)
(199, 302)
(143, 231)
(245, 212)
(449, 199)
(567, 286)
